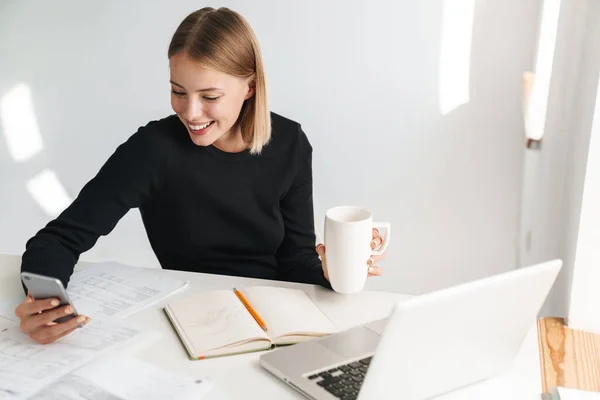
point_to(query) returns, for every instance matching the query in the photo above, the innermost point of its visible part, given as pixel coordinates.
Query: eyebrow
(201, 90)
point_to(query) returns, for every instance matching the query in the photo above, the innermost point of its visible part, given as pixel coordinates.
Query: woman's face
(208, 102)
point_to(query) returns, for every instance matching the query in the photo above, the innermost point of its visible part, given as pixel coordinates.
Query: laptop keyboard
(343, 382)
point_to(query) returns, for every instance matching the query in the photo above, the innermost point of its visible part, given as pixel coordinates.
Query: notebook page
(287, 311)
(26, 366)
(214, 319)
(124, 378)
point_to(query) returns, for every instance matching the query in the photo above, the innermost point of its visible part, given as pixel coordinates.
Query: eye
(176, 93)
(208, 98)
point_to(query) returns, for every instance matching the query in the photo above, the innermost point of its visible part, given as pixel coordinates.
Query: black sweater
(204, 210)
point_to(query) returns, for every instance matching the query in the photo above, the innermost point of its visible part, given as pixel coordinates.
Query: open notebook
(217, 323)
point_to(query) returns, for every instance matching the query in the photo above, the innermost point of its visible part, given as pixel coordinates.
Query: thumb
(321, 250)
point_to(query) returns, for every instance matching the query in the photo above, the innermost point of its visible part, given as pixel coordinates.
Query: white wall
(574, 101)
(556, 172)
(546, 176)
(361, 76)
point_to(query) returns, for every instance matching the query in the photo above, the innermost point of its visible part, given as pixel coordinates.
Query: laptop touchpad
(352, 343)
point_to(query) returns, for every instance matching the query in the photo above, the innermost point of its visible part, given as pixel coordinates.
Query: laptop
(430, 345)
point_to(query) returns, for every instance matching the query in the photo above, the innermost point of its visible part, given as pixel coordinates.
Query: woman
(223, 186)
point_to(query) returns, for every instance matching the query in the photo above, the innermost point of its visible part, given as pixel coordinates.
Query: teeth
(198, 127)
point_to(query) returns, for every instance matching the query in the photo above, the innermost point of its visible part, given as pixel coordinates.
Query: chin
(201, 141)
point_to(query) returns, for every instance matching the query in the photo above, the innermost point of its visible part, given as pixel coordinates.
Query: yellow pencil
(257, 317)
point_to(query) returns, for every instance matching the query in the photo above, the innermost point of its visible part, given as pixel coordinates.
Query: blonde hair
(223, 40)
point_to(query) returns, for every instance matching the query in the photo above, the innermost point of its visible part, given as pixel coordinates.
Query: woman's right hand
(38, 316)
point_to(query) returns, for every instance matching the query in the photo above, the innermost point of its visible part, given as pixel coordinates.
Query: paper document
(115, 290)
(561, 393)
(124, 378)
(26, 367)
(111, 290)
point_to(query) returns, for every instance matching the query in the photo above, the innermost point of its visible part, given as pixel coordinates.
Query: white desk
(240, 376)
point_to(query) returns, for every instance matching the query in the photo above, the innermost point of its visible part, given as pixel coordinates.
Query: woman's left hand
(372, 268)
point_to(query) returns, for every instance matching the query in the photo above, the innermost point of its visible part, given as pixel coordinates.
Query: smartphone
(44, 287)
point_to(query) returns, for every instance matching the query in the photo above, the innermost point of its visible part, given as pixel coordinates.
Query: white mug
(348, 236)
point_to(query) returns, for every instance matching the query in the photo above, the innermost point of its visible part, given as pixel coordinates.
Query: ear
(251, 89)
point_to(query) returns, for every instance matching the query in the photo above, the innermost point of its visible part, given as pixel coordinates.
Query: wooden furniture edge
(568, 358)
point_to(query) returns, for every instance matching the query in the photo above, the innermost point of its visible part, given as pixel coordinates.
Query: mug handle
(386, 238)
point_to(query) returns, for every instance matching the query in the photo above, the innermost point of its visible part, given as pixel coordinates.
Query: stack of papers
(84, 365)
(26, 366)
(124, 378)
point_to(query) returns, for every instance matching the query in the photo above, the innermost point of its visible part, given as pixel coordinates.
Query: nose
(193, 110)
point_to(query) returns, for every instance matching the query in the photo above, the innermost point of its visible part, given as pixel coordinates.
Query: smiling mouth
(200, 129)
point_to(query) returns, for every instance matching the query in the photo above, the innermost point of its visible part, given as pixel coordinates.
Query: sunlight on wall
(455, 57)
(24, 140)
(19, 124)
(538, 102)
(48, 192)
(535, 102)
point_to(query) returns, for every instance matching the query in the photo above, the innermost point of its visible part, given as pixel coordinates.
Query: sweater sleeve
(297, 258)
(125, 181)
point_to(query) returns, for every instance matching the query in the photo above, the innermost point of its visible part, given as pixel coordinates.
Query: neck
(232, 141)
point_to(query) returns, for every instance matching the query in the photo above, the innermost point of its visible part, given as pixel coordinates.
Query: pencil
(257, 317)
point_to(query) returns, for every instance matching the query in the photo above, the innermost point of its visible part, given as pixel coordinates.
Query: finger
(54, 339)
(19, 310)
(33, 322)
(375, 233)
(376, 242)
(50, 334)
(31, 307)
(375, 271)
(375, 259)
(46, 339)
(65, 333)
